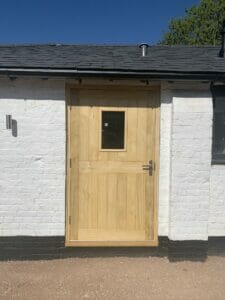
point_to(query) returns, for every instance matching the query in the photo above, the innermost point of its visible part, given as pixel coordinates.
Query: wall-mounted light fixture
(8, 121)
(11, 124)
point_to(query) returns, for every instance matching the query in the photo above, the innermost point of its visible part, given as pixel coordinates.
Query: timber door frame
(153, 242)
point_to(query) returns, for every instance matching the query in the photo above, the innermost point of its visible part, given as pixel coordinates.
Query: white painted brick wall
(32, 177)
(190, 168)
(164, 171)
(217, 201)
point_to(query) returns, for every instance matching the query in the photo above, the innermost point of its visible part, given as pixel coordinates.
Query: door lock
(150, 167)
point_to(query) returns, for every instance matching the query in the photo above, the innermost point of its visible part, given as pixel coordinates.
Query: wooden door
(111, 196)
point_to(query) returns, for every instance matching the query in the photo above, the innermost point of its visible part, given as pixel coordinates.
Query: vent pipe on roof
(222, 50)
(143, 47)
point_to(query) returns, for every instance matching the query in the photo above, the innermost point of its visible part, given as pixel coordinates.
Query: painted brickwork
(191, 191)
(32, 177)
(190, 168)
(164, 171)
(217, 201)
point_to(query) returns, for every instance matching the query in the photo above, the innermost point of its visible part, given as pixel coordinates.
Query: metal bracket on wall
(11, 124)
(8, 121)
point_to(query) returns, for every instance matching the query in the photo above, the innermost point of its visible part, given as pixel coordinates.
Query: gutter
(114, 73)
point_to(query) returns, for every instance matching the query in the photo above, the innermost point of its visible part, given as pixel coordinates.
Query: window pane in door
(113, 125)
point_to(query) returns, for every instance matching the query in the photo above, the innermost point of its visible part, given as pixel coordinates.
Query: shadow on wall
(14, 128)
(32, 89)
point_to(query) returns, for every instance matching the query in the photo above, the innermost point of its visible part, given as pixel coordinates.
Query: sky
(87, 21)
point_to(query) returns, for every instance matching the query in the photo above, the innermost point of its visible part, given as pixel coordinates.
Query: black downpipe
(222, 50)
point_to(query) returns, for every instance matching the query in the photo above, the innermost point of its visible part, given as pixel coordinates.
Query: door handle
(150, 167)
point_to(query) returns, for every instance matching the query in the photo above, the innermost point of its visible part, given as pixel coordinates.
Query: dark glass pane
(219, 133)
(113, 129)
(218, 150)
(219, 104)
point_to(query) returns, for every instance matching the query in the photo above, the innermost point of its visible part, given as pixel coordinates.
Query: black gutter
(113, 73)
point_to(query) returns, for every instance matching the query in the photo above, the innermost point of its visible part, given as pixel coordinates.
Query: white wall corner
(165, 158)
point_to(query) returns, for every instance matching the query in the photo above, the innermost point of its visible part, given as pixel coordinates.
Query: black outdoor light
(11, 124)
(8, 121)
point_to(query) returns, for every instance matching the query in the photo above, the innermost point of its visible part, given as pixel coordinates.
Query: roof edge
(113, 73)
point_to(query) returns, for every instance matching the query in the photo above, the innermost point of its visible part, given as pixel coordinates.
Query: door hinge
(70, 220)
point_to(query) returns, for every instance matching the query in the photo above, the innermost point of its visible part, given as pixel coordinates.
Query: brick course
(32, 177)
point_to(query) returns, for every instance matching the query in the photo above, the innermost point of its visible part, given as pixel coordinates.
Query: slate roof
(201, 59)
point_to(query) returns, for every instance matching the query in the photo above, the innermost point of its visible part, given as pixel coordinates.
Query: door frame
(154, 242)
